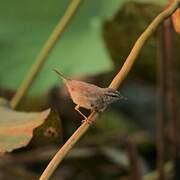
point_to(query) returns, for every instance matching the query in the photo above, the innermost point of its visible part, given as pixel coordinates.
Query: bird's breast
(80, 99)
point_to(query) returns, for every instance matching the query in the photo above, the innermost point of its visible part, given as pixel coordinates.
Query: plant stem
(161, 105)
(114, 84)
(44, 53)
(66, 147)
(171, 93)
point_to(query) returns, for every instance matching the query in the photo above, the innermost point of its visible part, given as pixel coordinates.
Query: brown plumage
(89, 96)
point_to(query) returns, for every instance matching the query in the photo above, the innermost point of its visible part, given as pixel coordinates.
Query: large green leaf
(26, 25)
(16, 128)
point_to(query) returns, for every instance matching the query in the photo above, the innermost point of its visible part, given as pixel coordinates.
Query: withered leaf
(176, 18)
(16, 128)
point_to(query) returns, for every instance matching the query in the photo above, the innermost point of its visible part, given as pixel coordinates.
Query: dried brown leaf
(176, 18)
(16, 128)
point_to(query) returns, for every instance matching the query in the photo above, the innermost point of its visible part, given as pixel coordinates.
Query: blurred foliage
(25, 26)
(50, 132)
(101, 154)
(113, 122)
(122, 31)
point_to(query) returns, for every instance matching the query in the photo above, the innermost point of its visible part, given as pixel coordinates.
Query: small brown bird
(89, 96)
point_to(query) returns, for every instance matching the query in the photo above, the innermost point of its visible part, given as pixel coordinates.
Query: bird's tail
(60, 74)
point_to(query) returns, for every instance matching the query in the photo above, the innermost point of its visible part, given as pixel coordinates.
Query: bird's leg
(77, 109)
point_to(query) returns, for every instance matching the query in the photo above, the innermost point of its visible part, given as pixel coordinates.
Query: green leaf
(27, 26)
(16, 128)
(112, 122)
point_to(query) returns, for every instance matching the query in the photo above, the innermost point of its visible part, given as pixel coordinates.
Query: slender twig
(167, 110)
(44, 53)
(171, 93)
(140, 42)
(161, 105)
(114, 84)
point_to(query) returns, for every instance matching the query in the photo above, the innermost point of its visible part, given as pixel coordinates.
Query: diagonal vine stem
(44, 53)
(116, 82)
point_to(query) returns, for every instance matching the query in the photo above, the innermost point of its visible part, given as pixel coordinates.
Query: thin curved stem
(114, 84)
(44, 53)
(59, 156)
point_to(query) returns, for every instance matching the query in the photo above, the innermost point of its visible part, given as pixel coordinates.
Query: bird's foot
(87, 121)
